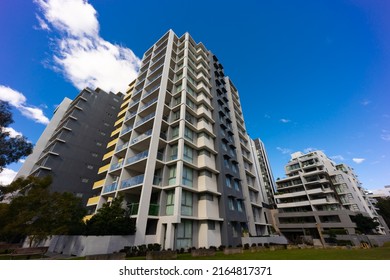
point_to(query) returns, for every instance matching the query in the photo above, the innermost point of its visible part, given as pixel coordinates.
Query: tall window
(170, 202)
(173, 152)
(231, 203)
(236, 185)
(228, 182)
(175, 132)
(172, 175)
(188, 134)
(187, 176)
(186, 203)
(184, 234)
(188, 153)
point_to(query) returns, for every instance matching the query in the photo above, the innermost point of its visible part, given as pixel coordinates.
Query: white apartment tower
(180, 154)
(318, 195)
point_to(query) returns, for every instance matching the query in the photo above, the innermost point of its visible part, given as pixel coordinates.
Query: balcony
(110, 188)
(116, 166)
(93, 201)
(153, 209)
(145, 119)
(126, 129)
(148, 104)
(121, 147)
(141, 137)
(137, 157)
(133, 181)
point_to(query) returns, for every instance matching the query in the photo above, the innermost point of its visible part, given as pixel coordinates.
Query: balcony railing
(145, 119)
(153, 209)
(142, 136)
(121, 147)
(148, 104)
(137, 157)
(115, 165)
(133, 181)
(110, 188)
(126, 129)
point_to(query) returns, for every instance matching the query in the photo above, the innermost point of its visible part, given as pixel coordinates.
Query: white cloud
(365, 102)
(285, 120)
(284, 150)
(385, 135)
(18, 100)
(42, 24)
(358, 160)
(80, 54)
(6, 176)
(12, 132)
(337, 157)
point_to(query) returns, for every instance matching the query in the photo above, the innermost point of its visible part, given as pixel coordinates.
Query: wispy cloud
(6, 176)
(267, 116)
(385, 135)
(365, 102)
(358, 160)
(18, 100)
(337, 157)
(284, 150)
(285, 120)
(80, 54)
(42, 24)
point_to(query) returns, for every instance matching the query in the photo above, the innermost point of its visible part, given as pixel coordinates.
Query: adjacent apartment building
(180, 154)
(318, 195)
(72, 145)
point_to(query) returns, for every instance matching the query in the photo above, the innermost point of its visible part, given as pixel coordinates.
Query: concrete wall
(264, 240)
(89, 245)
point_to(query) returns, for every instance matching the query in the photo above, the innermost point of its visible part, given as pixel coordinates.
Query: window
(186, 203)
(226, 163)
(84, 180)
(99, 144)
(190, 104)
(187, 153)
(187, 176)
(206, 196)
(178, 88)
(236, 185)
(203, 134)
(234, 167)
(204, 152)
(173, 152)
(239, 205)
(184, 234)
(231, 203)
(228, 182)
(170, 202)
(94, 154)
(188, 134)
(205, 173)
(90, 166)
(211, 225)
(175, 132)
(172, 175)
(176, 115)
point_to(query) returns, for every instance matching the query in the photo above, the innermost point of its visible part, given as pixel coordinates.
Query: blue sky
(311, 74)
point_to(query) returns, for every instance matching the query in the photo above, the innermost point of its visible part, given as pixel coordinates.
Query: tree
(364, 224)
(384, 208)
(38, 213)
(11, 148)
(111, 220)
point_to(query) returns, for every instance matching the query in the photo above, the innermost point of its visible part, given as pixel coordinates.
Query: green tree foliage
(38, 213)
(364, 224)
(11, 148)
(384, 209)
(111, 220)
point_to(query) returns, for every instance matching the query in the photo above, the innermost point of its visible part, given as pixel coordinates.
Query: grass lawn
(380, 253)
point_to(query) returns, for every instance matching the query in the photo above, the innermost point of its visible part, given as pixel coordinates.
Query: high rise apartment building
(72, 145)
(319, 195)
(180, 154)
